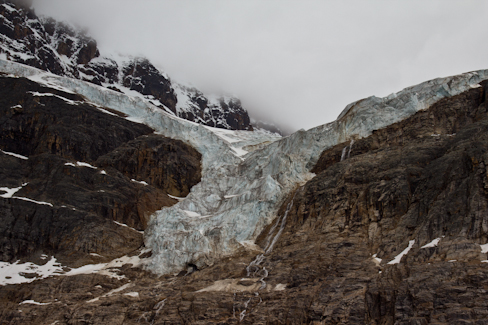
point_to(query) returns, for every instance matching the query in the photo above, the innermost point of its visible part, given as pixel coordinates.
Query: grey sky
(295, 63)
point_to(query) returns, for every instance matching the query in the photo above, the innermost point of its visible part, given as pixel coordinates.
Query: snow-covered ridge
(65, 50)
(239, 195)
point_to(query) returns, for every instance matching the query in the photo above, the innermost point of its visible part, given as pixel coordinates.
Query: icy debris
(433, 243)
(14, 155)
(398, 258)
(132, 294)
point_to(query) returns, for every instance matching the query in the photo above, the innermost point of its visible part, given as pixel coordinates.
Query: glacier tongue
(241, 192)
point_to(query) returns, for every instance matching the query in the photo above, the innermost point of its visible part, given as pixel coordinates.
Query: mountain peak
(65, 50)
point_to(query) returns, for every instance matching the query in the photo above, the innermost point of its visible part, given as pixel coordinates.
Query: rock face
(64, 50)
(74, 169)
(391, 230)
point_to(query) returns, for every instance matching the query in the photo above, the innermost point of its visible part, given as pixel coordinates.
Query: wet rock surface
(74, 170)
(337, 252)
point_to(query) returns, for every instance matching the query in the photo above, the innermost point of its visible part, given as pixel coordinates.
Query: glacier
(246, 175)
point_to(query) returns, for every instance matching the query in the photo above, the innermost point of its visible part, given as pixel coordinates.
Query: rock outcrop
(65, 50)
(70, 169)
(391, 230)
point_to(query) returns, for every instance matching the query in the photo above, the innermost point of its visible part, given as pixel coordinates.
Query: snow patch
(484, 248)
(176, 197)
(9, 192)
(124, 225)
(111, 292)
(31, 200)
(280, 287)
(14, 155)
(398, 258)
(433, 243)
(19, 273)
(80, 164)
(140, 182)
(376, 260)
(32, 302)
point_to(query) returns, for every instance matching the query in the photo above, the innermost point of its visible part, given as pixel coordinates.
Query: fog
(293, 63)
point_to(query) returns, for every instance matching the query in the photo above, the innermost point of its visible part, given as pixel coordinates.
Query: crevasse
(239, 196)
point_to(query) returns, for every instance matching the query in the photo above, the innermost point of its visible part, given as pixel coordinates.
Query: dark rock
(71, 206)
(64, 50)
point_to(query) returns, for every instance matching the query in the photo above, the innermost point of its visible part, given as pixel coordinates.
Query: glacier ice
(246, 175)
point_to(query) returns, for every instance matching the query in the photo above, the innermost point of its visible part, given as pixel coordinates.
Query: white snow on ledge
(484, 248)
(124, 225)
(16, 273)
(176, 197)
(28, 272)
(32, 302)
(31, 200)
(398, 258)
(9, 192)
(80, 164)
(433, 243)
(14, 155)
(140, 182)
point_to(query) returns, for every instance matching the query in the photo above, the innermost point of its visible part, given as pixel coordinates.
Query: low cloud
(294, 63)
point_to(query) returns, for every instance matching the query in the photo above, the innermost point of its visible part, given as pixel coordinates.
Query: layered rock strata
(73, 174)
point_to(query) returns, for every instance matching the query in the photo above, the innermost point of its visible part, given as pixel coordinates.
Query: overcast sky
(294, 63)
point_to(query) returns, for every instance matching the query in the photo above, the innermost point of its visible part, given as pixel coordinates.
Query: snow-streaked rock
(240, 193)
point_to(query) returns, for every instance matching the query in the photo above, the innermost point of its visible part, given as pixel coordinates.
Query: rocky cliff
(65, 50)
(113, 210)
(390, 229)
(74, 174)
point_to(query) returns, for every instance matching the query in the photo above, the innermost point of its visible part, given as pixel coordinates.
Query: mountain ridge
(64, 50)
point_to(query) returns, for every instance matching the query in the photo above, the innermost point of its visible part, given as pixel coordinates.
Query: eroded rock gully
(420, 183)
